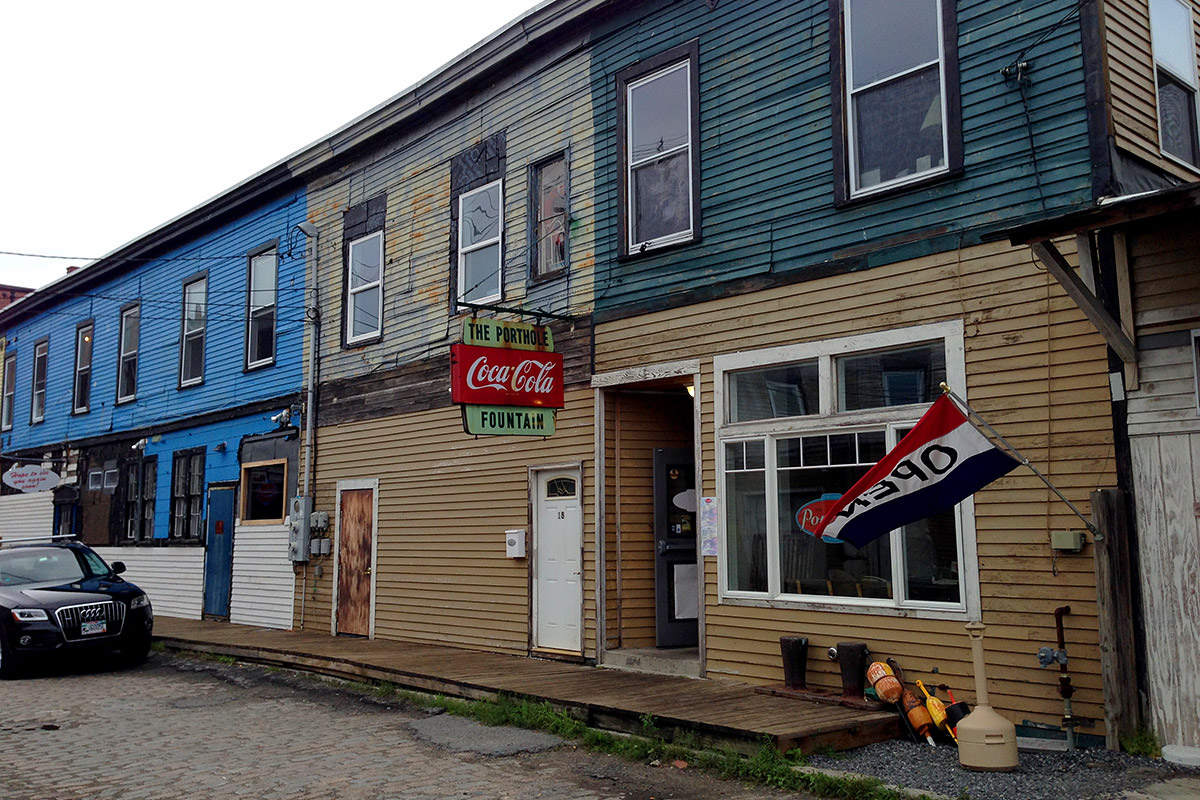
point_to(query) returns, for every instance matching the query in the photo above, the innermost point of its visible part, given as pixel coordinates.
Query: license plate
(91, 628)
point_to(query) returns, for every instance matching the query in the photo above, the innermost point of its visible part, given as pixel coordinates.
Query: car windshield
(39, 565)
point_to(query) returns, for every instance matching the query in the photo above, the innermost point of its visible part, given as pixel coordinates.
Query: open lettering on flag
(943, 460)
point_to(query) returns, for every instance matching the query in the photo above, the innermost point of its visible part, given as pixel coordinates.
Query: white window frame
(1196, 366)
(83, 334)
(1188, 78)
(41, 359)
(851, 128)
(828, 419)
(632, 163)
(8, 399)
(352, 291)
(497, 240)
(190, 332)
(127, 353)
(254, 310)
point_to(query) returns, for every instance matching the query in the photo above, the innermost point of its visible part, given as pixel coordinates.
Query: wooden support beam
(1088, 303)
(1114, 610)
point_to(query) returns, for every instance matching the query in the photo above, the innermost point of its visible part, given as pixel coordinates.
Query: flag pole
(1096, 534)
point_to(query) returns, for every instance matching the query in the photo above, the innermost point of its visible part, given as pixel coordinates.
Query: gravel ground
(1075, 775)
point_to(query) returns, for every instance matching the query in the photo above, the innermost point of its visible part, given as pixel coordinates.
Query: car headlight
(29, 615)
(141, 601)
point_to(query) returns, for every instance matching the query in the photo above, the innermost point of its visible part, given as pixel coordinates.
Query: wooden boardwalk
(721, 713)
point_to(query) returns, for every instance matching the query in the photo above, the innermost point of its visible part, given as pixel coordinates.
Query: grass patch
(1142, 742)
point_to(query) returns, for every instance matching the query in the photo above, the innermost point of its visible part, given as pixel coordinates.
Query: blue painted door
(218, 556)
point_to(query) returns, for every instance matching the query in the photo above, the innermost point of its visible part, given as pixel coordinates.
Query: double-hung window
(82, 387)
(187, 494)
(364, 288)
(659, 133)
(1173, 38)
(480, 246)
(195, 318)
(548, 248)
(898, 65)
(127, 362)
(41, 353)
(260, 311)
(799, 425)
(10, 391)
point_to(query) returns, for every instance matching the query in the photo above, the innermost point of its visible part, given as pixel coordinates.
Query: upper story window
(364, 288)
(898, 71)
(195, 322)
(10, 391)
(260, 311)
(800, 424)
(1173, 38)
(548, 218)
(82, 387)
(127, 362)
(480, 250)
(41, 353)
(659, 123)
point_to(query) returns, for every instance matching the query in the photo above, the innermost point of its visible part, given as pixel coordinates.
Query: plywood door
(558, 551)
(1167, 476)
(355, 535)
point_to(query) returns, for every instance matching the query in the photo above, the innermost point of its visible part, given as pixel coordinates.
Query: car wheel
(134, 649)
(9, 666)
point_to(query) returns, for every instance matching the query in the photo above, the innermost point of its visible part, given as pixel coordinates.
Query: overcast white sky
(117, 116)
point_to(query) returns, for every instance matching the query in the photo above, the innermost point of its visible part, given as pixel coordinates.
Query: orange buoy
(888, 689)
(917, 715)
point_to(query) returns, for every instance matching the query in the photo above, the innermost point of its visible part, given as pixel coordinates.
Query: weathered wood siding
(172, 576)
(1132, 84)
(1035, 369)
(1164, 429)
(263, 581)
(766, 146)
(543, 109)
(27, 514)
(1165, 264)
(445, 500)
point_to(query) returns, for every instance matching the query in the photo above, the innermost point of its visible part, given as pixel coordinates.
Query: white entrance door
(557, 561)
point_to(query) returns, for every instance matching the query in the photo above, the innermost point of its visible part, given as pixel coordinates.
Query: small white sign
(31, 478)
(708, 526)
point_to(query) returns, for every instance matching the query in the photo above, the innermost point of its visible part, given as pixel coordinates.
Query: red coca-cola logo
(496, 376)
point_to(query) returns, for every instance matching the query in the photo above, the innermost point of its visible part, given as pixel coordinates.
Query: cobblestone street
(180, 727)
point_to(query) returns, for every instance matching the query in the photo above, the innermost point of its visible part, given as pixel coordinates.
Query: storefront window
(777, 469)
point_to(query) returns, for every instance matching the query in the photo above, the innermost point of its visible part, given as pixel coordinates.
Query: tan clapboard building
(761, 237)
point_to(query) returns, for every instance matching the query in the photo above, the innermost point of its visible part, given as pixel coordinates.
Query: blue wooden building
(162, 383)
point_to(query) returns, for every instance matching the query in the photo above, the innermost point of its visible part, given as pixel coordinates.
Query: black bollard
(795, 661)
(852, 658)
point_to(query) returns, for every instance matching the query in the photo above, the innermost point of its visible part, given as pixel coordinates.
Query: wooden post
(1114, 603)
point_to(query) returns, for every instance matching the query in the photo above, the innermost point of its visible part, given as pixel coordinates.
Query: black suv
(59, 596)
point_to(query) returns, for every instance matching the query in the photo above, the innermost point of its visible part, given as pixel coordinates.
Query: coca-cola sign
(500, 377)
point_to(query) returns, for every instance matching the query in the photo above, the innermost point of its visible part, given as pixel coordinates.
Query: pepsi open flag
(943, 460)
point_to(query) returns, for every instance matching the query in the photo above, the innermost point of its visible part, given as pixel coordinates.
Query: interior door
(356, 524)
(676, 580)
(558, 558)
(218, 551)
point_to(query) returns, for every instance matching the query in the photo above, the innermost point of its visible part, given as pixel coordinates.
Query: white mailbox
(514, 543)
